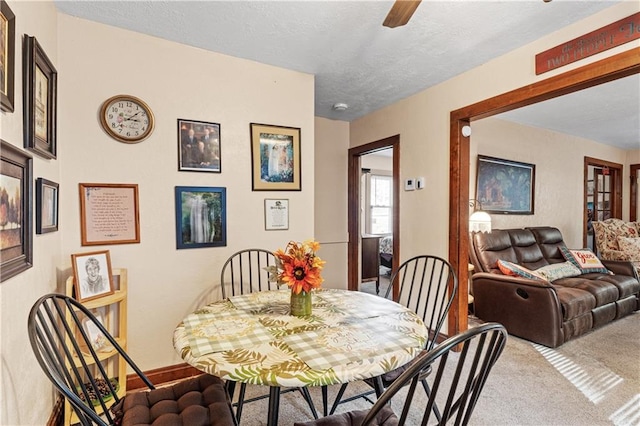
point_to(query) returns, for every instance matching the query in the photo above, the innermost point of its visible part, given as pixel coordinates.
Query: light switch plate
(420, 183)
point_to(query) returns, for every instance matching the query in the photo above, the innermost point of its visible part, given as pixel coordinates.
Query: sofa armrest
(527, 308)
(620, 267)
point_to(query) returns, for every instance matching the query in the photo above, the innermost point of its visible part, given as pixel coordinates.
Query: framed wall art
(7, 56)
(275, 158)
(92, 275)
(276, 214)
(201, 217)
(198, 146)
(109, 213)
(16, 224)
(40, 99)
(46, 206)
(505, 186)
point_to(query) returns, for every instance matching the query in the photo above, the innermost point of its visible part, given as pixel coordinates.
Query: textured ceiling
(354, 58)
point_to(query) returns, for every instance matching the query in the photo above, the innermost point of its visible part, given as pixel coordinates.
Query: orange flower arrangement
(298, 266)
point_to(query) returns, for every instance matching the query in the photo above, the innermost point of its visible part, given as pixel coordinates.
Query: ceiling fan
(400, 13)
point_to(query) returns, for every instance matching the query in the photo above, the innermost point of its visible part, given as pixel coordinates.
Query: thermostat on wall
(409, 185)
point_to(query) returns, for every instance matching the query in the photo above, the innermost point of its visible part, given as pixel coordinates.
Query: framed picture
(276, 214)
(46, 206)
(92, 275)
(7, 56)
(590, 187)
(40, 97)
(97, 338)
(201, 217)
(275, 158)
(505, 186)
(109, 213)
(198, 146)
(16, 225)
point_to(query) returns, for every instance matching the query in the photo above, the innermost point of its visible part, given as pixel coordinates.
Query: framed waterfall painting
(201, 217)
(275, 158)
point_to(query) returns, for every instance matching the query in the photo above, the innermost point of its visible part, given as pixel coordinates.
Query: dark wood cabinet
(371, 259)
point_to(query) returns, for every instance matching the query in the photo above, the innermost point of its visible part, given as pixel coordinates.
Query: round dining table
(252, 338)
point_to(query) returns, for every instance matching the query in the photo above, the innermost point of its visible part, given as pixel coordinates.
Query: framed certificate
(276, 214)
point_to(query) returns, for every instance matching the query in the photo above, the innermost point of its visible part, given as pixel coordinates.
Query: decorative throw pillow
(630, 247)
(515, 270)
(585, 260)
(556, 271)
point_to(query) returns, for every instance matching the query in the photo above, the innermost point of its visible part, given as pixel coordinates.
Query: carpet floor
(591, 380)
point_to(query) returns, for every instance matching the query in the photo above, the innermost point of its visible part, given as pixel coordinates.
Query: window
(380, 204)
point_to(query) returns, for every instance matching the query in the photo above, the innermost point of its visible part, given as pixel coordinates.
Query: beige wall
(330, 204)
(422, 121)
(26, 396)
(95, 62)
(559, 177)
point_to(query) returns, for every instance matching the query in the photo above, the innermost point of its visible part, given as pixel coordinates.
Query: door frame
(633, 188)
(615, 197)
(353, 221)
(612, 68)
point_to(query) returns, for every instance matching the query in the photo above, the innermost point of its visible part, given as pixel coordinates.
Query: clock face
(126, 118)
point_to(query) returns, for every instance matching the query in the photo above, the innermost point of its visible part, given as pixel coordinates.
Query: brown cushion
(386, 417)
(198, 401)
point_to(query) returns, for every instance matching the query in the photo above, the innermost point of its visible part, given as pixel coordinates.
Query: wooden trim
(633, 196)
(162, 375)
(614, 67)
(57, 413)
(353, 248)
(615, 196)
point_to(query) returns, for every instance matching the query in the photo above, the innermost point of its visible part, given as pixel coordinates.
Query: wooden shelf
(113, 309)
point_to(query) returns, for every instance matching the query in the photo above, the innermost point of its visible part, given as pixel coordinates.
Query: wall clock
(126, 118)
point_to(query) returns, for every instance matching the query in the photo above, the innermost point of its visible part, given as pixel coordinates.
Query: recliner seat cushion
(604, 292)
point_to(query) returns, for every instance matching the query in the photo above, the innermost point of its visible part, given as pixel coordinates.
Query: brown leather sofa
(549, 313)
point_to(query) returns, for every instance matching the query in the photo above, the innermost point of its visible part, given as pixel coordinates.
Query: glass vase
(300, 304)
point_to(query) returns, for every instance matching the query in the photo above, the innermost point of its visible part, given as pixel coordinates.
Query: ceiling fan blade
(400, 13)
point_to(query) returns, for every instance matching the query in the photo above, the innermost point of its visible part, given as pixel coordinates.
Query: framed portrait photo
(109, 213)
(92, 275)
(199, 146)
(40, 99)
(275, 158)
(46, 206)
(7, 56)
(16, 224)
(201, 217)
(276, 214)
(98, 340)
(505, 186)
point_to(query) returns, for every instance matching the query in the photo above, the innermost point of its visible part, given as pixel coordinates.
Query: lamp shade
(480, 222)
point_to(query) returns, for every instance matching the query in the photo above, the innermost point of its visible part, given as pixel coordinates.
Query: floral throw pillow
(585, 260)
(515, 270)
(630, 247)
(556, 271)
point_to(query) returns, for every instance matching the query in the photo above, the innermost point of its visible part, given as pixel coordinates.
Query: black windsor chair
(427, 285)
(59, 327)
(243, 273)
(459, 378)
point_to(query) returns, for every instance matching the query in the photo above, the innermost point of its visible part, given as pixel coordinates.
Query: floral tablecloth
(253, 339)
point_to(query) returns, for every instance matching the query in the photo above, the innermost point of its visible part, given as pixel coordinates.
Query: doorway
(603, 194)
(611, 68)
(634, 203)
(356, 225)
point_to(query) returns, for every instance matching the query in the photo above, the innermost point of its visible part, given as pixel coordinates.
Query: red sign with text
(612, 35)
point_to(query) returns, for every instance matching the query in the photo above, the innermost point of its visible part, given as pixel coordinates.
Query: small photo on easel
(96, 337)
(92, 275)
